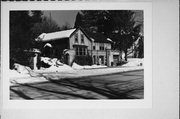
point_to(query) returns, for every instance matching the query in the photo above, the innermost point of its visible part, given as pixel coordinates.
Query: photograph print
(76, 54)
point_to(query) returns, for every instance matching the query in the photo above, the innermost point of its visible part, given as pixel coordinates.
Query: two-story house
(102, 52)
(77, 42)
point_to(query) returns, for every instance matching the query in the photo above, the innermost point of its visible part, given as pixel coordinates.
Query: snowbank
(23, 80)
(23, 74)
(18, 78)
(65, 71)
(63, 68)
(79, 67)
(16, 74)
(50, 61)
(76, 66)
(134, 62)
(55, 65)
(21, 69)
(98, 66)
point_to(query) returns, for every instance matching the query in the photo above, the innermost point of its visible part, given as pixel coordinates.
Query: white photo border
(74, 104)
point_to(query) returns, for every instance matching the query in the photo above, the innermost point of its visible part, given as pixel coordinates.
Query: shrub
(83, 60)
(121, 63)
(20, 57)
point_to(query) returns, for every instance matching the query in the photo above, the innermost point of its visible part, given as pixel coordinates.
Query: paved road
(127, 85)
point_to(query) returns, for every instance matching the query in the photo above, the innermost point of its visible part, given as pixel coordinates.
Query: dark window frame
(82, 39)
(94, 47)
(101, 46)
(76, 38)
(80, 51)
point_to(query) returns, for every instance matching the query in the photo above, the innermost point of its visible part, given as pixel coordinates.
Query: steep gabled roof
(95, 37)
(44, 37)
(83, 33)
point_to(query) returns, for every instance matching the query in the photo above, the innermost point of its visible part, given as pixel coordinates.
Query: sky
(62, 17)
(68, 16)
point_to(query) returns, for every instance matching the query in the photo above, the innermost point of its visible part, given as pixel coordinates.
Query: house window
(85, 51)
(101, 46)
(76, 38)
(81, 50)
(94, 47)
(82, 38)
(77, 51)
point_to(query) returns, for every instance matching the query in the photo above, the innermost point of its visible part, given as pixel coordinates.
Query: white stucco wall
(110, 56)
(95, 52)
(87, 42)
(106, 45)
(71, 56)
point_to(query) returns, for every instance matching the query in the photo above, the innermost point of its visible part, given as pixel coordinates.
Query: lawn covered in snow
(57, 66)
(79, 67)
(23, 74)
(134, 62)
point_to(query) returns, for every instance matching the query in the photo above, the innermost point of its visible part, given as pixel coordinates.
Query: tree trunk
(125, 51)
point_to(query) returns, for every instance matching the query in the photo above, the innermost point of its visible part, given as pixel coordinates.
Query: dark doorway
(66, 59)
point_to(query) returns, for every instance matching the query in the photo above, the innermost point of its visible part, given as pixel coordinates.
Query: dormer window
(82, 39)
(76, 38)
(101, 46)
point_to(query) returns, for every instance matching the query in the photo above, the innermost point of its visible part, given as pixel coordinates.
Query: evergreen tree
(87, 19)
(78, 22)
(20, 23)
(123, 29)
(120, 26)
(127, 29)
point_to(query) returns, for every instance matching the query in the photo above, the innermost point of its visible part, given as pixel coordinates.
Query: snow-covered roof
(92, 39)
(55, 35)
(47, 45)
(109, 39)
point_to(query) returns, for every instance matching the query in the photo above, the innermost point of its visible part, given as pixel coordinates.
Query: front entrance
(115, 60)
(101, 60)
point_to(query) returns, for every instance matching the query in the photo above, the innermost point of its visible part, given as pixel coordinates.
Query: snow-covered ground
(57, 66)
(79, 67)
(58, 70)
(15, 74)
(50, 61)
(134, 62)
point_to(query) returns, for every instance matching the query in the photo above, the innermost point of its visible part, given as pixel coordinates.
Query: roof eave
(53, 39)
